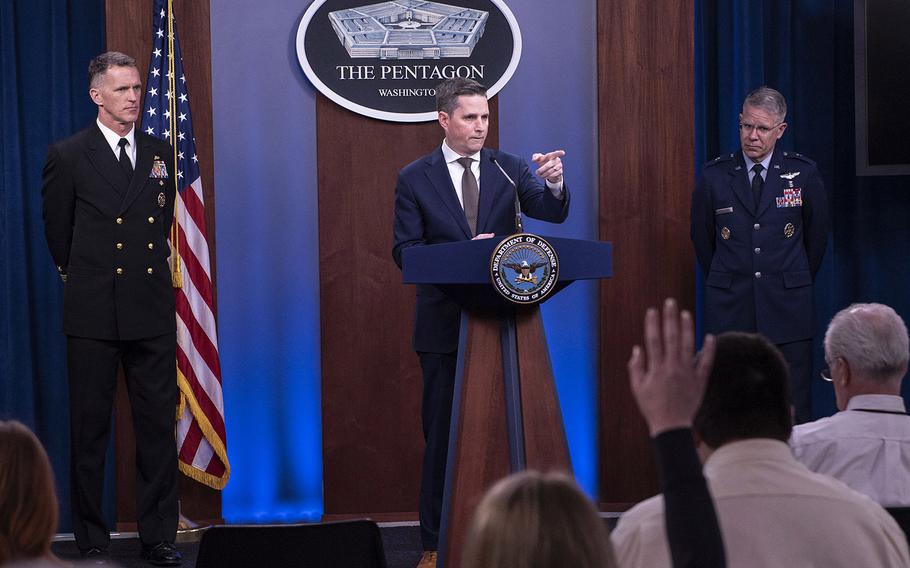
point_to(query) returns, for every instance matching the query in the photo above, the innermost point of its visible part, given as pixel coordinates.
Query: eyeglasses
(762, 130)
(826, 372)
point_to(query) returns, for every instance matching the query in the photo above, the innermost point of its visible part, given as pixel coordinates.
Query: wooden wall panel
(646, 138)
(129, 29)
(371, 379)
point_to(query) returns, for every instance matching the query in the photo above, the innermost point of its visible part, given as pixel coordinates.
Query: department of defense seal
(524, 268)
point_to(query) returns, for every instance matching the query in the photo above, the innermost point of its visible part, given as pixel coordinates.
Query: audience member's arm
(668, 390)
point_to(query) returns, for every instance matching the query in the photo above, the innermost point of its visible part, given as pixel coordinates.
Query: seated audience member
(533, 519)
(867, 444)
(668, 390)
(28, 501)
(772, 510)
(539, 520)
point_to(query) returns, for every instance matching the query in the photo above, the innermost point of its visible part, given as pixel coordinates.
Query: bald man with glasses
(760, 226)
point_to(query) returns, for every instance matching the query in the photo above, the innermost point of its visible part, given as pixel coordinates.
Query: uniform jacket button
(119, 271)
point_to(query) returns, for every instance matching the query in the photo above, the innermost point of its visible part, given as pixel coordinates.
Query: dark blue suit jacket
(760, 263)
(427, 212)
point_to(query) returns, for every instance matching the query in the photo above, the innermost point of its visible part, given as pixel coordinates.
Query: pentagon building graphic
(409, 29)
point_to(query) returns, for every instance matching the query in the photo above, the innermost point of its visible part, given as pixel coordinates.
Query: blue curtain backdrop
(804, 48)
(45, 46)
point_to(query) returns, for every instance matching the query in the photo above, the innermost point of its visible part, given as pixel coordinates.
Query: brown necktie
(470, 195)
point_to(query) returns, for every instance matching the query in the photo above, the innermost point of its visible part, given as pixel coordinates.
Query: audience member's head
(540, 520)
(866, 350)
(28, 501)
(747, 394)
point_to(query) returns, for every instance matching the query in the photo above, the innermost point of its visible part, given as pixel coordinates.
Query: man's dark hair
(448, 91)
(747, 394)
(100, 64)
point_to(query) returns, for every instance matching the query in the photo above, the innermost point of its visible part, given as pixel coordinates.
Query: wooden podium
(505, 412)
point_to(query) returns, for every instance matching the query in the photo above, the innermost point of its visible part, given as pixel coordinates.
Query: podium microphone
(519, 227)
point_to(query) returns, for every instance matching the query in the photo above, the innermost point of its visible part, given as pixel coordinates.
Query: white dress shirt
(773, 512)
(750, 164)
(113, 139)
(869, 451)
(456, 171)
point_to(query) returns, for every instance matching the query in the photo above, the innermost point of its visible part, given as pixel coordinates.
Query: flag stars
(150, 131)
(162, 12)
(181, 136)
(167, 133)
(151, 111)
(157, 53)
(182, 116)
(167, 113)
(160, 32)
(169, 74)
(182, 79)
(179, 155)
(153, 91)
(195, 159)
(168, 95)
(156, 72)
(182, 97)
(179, 174)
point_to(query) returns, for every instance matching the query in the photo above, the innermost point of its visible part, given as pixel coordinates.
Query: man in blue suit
(457, 193)
(760, 225)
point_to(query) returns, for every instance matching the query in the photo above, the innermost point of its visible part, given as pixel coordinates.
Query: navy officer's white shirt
(866, 446)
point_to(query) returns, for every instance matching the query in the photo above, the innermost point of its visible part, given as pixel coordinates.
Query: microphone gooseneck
(519, 226)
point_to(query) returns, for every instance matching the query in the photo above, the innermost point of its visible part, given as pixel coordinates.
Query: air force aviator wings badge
(789, 175)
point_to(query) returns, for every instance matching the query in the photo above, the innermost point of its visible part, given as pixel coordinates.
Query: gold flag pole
(177, 273)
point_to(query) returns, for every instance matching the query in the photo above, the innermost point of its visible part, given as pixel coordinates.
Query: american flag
(201, 442)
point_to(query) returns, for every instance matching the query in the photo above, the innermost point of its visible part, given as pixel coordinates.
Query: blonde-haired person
(28, 500)
(533, 519)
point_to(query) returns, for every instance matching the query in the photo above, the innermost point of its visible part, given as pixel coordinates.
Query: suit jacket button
(119, 220)
(119, 246)
(150, 270)
(119, 271)
(758, 274)
(757, 250)
(756, 226)
(151, 219)
(151, 246)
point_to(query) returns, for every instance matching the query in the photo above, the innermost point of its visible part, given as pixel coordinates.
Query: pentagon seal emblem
(524, 268)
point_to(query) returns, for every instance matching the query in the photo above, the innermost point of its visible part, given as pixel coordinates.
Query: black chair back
(353, 544)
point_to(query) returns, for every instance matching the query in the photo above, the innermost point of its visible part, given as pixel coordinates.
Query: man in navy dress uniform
(108, 205)
(457, 193)
(760, 225)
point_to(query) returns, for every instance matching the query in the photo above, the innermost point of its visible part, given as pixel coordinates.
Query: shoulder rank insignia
(719, 159)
